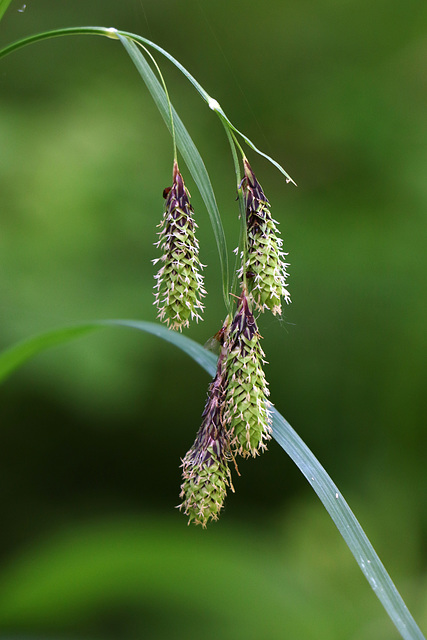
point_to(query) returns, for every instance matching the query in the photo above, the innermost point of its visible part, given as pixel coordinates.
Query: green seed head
(179, 286)
(265, 265)
(205, 466)
(247, 410)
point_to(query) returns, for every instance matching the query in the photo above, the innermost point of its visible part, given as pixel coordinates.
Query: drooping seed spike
(247, 415)
(265, 265)
(206, 474)
(179, 287)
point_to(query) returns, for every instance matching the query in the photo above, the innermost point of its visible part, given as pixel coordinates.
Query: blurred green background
(92, 433)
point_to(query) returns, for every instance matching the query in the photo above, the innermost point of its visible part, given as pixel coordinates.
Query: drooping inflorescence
(205, 468)
(236, 420)
(179, 286)
(264, 261)
(246, 405)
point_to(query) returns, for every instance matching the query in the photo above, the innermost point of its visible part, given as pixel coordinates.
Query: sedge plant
(239, 418)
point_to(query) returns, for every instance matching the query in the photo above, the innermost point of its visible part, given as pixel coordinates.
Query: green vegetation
(83, 175)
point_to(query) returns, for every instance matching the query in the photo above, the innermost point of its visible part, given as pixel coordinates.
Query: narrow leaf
(119, 35)
(15, 356)
(289, 440)
(348, 526)
(189, 151)
(213, 104)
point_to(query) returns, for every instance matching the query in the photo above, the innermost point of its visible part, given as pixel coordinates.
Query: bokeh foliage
(92, 433)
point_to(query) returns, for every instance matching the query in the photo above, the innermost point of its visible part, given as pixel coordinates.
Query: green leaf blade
(19, 354)
(348, 526)
(284, 434)
(189, 152)
(212, 103)
(123, 36)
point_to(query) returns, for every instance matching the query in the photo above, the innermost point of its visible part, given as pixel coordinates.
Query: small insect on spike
(179, 283)
(265, 264)
(215, 343)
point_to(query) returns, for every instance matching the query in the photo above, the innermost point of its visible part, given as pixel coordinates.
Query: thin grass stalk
(242, 239)
(191, 156)
(165, 89)
(115, 34)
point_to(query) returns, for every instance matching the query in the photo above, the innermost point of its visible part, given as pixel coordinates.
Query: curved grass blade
(185, 143)
(333, 501)
(212, 103)
(15, 356)
(348, 526)
(115, 34)
(289, 440)
(189, 152)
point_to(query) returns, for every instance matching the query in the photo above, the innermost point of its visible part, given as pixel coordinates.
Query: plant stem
(114, 34)
(242, 246)
(162, 80)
